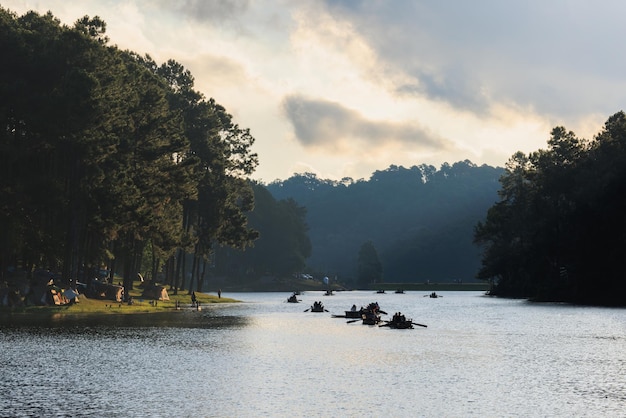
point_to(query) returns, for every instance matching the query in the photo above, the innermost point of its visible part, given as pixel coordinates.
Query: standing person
(193, 298)
(219, 293)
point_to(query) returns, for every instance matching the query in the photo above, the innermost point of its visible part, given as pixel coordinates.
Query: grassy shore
(140, 305)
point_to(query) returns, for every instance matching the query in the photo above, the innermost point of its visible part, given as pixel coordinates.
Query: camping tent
(101, 290)
(155, 292)
(70, 295)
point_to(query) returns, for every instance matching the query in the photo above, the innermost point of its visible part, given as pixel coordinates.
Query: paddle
(384, 325)
(353, 320)
(421, 325)
(382, 312)
(307, 310)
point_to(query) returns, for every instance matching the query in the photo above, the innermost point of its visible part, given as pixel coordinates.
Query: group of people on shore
(195, 301)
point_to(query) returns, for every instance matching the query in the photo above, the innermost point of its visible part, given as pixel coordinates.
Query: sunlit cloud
(347, 88)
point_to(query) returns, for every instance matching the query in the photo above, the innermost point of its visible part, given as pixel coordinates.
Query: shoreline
(182, 301)
(86, 306)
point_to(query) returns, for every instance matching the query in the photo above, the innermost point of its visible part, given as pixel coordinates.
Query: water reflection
(478, 357)
(192, 319)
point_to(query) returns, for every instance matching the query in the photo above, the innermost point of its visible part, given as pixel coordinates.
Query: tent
(101, 290)
(155, 292)
(71, 295)
(46, 295)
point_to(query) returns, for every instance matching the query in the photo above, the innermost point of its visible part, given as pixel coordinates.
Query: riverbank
(292, 285)
(433, 287)
(84, 305)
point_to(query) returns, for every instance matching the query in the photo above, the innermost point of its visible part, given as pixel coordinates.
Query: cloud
(552, 57)
(202, 10)
(328, 125)
(347, 87)
(217, 70)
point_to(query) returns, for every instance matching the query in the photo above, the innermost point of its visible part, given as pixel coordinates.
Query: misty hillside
(420, 219)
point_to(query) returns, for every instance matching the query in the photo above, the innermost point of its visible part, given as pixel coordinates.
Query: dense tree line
(109, 158)
(558, 231)
(369, 267)
(283, 246)
(420, 220)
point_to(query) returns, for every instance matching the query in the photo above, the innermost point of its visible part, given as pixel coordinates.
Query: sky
(344, 88)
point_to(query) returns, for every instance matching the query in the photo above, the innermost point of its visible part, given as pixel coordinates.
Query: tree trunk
(180, 255)
(193, 272)
(201, 283)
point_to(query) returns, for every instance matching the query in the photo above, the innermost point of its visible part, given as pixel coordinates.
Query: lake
(479, 356)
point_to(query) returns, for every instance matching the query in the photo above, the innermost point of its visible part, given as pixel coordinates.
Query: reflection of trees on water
(98, 324)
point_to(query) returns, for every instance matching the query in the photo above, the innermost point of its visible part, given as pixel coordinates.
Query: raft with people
(317, 306)
(370, 315)
(399, 321)
(352, 313)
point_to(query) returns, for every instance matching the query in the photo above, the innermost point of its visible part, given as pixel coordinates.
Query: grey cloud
(319, 123)
(203, 10)
(449, 85)
(555, 57)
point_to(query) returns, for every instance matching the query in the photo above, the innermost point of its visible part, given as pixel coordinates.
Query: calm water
(479, 357)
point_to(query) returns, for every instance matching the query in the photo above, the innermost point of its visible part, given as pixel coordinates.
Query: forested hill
(420, 219)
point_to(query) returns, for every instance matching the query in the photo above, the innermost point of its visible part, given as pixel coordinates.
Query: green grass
(140, 305)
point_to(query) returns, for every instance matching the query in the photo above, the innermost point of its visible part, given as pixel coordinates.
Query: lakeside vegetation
(418, 221)
(558, 232)
(111, 160)
(139, 305)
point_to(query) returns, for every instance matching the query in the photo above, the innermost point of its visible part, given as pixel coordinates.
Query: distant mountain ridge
(420, 219)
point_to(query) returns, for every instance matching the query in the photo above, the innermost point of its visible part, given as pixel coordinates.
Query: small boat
(369, 315)
(434, 295)
(353, 313)
(406, 324)
(399, 291)
(380, 291)
(328, 293)
(399, 321)
(293, 299)
(317, 307)
(370, 318)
